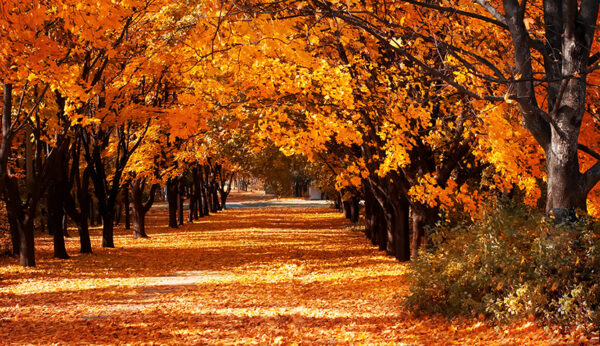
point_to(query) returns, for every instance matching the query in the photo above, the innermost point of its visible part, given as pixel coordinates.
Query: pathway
(271, 275)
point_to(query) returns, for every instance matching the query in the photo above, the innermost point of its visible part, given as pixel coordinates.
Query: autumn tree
(551, 44)
(30, 55)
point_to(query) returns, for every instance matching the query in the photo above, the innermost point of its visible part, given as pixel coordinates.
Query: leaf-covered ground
(242, 276)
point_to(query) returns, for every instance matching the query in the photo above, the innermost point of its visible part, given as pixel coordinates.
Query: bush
(512, 264)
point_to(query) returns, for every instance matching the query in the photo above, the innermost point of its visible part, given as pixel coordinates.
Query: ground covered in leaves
(271, 275)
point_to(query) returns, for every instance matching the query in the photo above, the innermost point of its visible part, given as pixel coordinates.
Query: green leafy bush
(513, 263)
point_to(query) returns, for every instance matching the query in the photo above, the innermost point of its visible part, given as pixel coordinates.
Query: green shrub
(511, 264)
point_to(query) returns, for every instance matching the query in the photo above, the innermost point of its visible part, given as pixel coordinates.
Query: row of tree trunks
(351, 208)
(387, 216)
(395, 225)
(22, 199)
(206, 186)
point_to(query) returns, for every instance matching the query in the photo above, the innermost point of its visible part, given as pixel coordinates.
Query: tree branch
(492, 10)
(588, 151)
(499, 22)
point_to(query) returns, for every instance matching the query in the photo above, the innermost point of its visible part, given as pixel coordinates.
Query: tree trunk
(172, 202)
(199, 182)
(569, 29)
(216, 202)
(23, 222)
(380, 229)
(346, 209)
(108, 228)
(118, 213)
(199, 203)
(193, 205)
(181, 200)
(84, 234)
(140, 208)
(423, 217)
(55, 219)
(65, 225)
(205, 203)
(14, 234)
(139, 215)
(192, 212)
(375, 219)
(85, 201)
(224, 196)
(127, 207)
(213, 199)
(397, 228)
(92, 214)
(354, 209)
(27, 249)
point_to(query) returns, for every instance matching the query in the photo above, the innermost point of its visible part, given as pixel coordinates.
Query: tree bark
(214, 198)
(126, 205)
(192, 210)
(27, 249)
(55, 218)
(92, 214)
(84, 202)
(139, 224)
(172, 200)
(396, 210)
(569, 36)
(23, 222)
(108, 228)
(205, 204)
(346, 206)
(14, 234)
(423, 217)
(354, 209)
(140, 208)
(181, 200)
(397, 219)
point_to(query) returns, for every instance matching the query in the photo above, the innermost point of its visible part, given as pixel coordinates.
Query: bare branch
(499, 22)
(588, 151)
(491, 10)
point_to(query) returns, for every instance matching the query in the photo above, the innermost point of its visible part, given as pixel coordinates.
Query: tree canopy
(424, 110)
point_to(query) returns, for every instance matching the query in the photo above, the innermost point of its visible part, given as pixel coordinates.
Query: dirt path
(278, 275)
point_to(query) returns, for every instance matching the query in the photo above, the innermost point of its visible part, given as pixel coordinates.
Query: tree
(551, 44)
